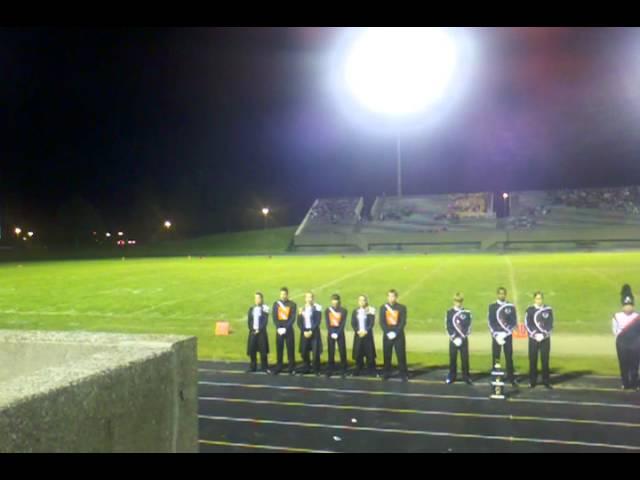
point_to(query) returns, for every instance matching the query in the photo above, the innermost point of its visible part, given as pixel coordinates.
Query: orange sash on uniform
(283, 312)
(391, 316)
(334, 318)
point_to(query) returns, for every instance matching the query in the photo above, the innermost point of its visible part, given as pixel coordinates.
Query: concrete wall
(87, 392)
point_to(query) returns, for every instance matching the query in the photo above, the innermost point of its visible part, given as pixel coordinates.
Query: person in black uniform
(363, 320)
(502, 322)
(626, 328)
(539, 323)
(309, 320)
(458, 325)
(336, 318)
(284, 314)
(258, 341)
(393, 319)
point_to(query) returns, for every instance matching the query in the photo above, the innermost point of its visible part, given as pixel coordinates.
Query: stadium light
(400, 73)
(265, 213)
(30, 234)
(120, 234)
(505, 195)
(107, 235)
(167, 224)
(17, 231)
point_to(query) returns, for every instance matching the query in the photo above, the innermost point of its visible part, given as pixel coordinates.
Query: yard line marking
(512, 286)
(410, 411)
(430, 273)
(263, 447)
(414, 395)
(435, 382)
(259, 421)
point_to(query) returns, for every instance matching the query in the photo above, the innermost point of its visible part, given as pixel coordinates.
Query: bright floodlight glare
(265, 211)
(30, 234)
(400, 70)
(107, 234)
(120, 234)
(167, 224)
(505, 195)
(18, 230)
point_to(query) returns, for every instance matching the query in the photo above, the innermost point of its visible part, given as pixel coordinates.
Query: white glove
(391, 335)
(282, 331)
(538, 337)
(334, 336)
(362, 333)
(457, 341)
(501, 338)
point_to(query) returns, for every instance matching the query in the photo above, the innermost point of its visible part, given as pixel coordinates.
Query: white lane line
(415, 395)
(410, 411)
(262, 447)
(260, 421)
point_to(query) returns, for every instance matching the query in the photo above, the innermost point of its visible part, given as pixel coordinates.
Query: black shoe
(277, 371)
(404, 378)
(515, 384)
(343, 374)
(532, 385)
(292, 372)
(386, 376)
(266, 371)
(316, 373)
(468, 381)
(548, 386)
(328, 373)
(356, 373)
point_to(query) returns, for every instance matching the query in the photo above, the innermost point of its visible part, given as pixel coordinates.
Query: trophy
(497, 383)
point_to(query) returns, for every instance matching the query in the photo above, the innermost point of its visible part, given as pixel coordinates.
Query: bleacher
(431, 214)
(584, 208)
(607, 217)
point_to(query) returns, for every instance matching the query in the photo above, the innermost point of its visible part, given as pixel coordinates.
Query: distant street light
(18, 231)
(107, 235)
(120, 234)
(167, 224)
(505, 195)
(30, 234)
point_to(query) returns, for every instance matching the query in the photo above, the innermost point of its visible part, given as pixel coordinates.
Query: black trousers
(544, 349)
(453, 359)
(399, 345)
(364, 347)
(342, 349)
(258, 344)
(629, 360)
(287, 339)
(311, 347)
(496, 349)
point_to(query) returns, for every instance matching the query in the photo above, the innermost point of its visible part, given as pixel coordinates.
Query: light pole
(399, 73)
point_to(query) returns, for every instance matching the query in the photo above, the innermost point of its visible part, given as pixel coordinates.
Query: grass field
(188, 295)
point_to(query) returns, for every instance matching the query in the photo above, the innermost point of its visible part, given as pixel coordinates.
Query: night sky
(205, 126)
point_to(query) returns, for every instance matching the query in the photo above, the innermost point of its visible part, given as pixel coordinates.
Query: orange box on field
(223, 328)
(520, 332)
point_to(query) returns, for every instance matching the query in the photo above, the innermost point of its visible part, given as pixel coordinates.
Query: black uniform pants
(629, 361)
(365, 348)
(311, 346)
(399, 345)
(287, 339)
(496, 348)
(342, 349)
(544, 349)
(258, 344)
(453, 359)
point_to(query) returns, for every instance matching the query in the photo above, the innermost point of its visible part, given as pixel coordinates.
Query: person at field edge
(393, 320)
(309, 320)
(362, 321)
(626, 328)
(503, 321)
(458, 326)
(284, 314)
(258, 341)
(335, 319)
(539, 324)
